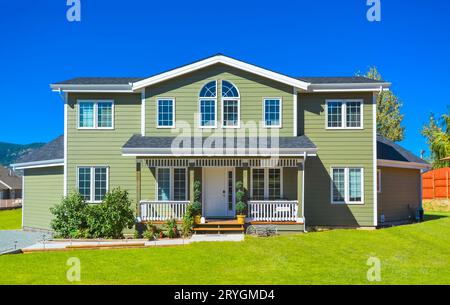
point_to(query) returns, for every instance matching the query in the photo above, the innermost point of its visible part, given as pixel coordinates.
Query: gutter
(38, 164)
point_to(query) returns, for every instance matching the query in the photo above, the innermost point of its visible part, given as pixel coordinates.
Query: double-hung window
(272, 112)
(98, 114)
(230, 105)
(207, 107)
(171, 184)
(165, 109)
(266, 184)
(344, 114)
(347, 185)
(93, 182)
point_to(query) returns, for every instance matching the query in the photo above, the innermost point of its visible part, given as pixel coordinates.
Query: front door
(216, 191)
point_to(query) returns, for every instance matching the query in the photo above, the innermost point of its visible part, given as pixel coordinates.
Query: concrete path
(59, 245)
(15, 240)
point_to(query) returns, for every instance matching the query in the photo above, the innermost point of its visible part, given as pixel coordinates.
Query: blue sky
(38, 46)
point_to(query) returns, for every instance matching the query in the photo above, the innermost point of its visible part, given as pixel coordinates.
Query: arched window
(208, 105)
(230, 105)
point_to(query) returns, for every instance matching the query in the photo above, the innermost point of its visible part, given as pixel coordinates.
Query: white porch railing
(163, 210)
(279, 211)
(10, 203)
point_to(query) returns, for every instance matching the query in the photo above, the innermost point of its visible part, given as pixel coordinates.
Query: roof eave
(92, 88)
(222, 60)
(38, 164)
(402, 164)
(350, 87)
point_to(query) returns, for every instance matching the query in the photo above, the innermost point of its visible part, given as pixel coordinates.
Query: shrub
(112, 216)
(71, 217)
(74, 218)
(241, 206)
(171, 229)
(192, 210)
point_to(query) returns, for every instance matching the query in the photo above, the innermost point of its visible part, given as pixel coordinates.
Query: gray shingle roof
(138, 141)
(53, 150)
(339, 80)
(8, 177)
(388, 150)
(100, 81)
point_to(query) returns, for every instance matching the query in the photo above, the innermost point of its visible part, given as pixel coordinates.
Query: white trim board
(401, 164)
(38, 164)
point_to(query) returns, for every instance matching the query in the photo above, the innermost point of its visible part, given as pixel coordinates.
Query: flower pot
(241, 219)
(198, 219)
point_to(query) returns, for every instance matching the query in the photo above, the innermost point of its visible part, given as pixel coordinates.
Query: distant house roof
(9, 180)
(54, 150)
(163, 145)
(388, 150)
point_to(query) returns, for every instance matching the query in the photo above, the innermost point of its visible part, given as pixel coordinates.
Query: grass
(11, 219)
(414, 254)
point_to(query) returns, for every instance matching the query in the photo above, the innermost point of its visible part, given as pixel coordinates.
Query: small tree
(241, 205)
(437, 134)
(389, 116)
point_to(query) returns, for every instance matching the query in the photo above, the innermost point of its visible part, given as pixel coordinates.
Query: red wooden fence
(436, 184)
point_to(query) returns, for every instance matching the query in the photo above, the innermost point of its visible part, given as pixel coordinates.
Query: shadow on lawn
(428, 217)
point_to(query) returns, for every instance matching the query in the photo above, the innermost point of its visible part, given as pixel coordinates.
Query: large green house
(305, 148)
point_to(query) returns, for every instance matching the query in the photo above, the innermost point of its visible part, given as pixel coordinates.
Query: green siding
(336, 148)
(185, 90)
(43, 189)
(103, 147)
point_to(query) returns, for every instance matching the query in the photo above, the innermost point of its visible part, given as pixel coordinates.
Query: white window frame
(200, 112)
(237, 99)
(173, 113)
(379, 180)
(172, 183)
(266, 183)
(92, 186)
(346, 186)
(344, 114)
(280, 125)
(95, 118)
(199, 106)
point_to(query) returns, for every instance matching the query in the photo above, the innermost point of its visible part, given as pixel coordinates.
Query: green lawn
(414, 254)
(11, 219)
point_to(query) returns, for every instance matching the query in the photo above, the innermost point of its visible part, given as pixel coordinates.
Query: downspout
(303, 192)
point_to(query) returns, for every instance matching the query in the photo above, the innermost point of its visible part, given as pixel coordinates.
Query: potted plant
(241, 206)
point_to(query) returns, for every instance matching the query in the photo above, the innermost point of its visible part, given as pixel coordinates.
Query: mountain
(9, 152)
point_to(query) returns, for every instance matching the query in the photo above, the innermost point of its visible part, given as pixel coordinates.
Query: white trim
(378, 179)
(38, 164)
(92, 181)
(223, 60)
(143, 112)
(295, 100)
(375, 168)
(95, 114)
(23, 200)
(266, 182)
(173, 112)
(401, 164)
(172, 183)
(6, 185)
(200, 112)
(349, 87)
(66, 100)
(303, 192)
(280, 99)
(346, 186)
(344, 114)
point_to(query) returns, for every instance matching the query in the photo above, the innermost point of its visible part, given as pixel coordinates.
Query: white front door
(215, 192)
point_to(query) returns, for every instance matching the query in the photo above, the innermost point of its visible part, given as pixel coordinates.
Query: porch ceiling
(138, 145)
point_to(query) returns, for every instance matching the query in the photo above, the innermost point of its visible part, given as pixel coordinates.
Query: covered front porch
(273, 188)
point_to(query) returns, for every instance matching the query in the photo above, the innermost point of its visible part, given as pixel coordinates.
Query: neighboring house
(305, 148)
(10, 188)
